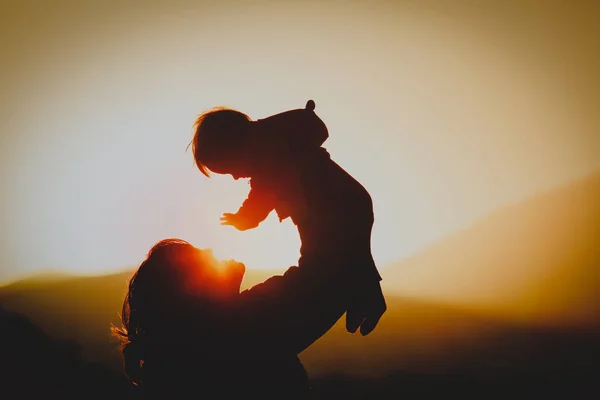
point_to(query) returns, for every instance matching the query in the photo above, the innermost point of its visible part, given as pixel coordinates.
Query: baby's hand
(236, 221)
(229, 219)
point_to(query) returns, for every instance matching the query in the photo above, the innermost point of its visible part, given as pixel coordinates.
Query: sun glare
(272, 245)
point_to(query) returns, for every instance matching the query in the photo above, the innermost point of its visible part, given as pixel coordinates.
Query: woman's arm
(293, 310)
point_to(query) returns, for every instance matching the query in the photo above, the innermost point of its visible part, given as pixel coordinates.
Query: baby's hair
(215, 131)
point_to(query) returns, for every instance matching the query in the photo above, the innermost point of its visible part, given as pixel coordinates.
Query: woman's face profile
(219, 279)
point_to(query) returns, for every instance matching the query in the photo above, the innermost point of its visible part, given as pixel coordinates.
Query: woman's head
(218, 142)
(175, 278)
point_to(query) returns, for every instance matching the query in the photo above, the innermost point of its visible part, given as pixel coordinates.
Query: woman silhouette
(188, 331)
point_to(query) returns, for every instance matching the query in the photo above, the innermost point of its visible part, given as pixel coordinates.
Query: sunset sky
(444, 110)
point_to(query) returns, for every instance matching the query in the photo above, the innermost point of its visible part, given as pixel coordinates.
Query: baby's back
(338, 218)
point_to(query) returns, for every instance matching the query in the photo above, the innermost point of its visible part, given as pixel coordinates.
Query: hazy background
(446, 111)
(475, 125)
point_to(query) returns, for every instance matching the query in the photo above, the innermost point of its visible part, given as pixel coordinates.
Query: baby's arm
(254, 210)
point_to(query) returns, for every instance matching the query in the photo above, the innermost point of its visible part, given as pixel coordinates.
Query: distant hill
(537, 261)
(413, 336)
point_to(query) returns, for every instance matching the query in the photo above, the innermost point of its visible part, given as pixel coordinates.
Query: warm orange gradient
(446, 111)
(536, 261)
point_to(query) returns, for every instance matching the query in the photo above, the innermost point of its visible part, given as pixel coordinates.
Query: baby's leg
(364, 299)
(366, 307)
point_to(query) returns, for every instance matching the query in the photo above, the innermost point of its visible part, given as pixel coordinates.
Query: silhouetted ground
(33, 364)
(562, 385)
(534, 364)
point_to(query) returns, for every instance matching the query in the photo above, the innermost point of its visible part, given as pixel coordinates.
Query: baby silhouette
(290, 172)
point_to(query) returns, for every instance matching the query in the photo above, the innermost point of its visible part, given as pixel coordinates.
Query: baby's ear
(310, 105)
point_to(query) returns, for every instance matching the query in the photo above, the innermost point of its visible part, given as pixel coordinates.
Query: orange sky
(445, 113)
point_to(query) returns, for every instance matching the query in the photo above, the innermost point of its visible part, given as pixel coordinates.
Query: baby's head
(219, 141)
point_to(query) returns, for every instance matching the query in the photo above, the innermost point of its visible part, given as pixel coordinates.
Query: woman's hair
(216, 132)
(153, 300)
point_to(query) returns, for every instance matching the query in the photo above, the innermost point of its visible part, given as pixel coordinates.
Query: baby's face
(238, 175)
(234, 172)
(236, 168)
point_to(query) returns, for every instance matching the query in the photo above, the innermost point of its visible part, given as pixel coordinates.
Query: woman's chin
(237, 271)
(233, 274)
(238, 268)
